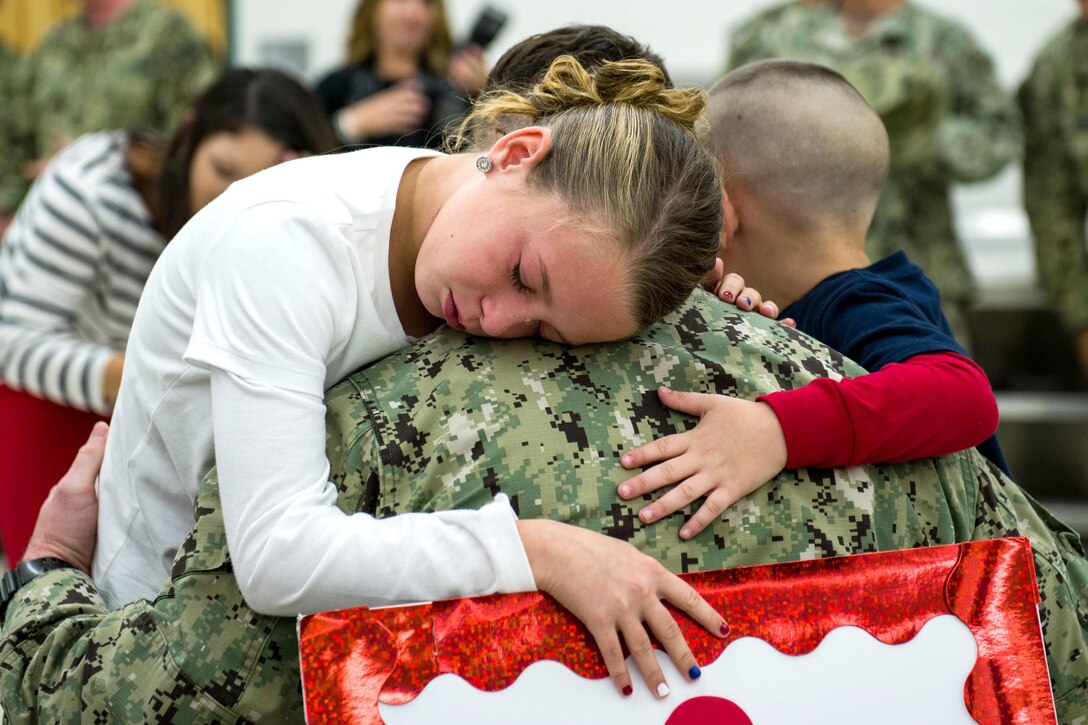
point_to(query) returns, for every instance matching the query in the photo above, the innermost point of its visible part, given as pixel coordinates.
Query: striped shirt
(72, 267)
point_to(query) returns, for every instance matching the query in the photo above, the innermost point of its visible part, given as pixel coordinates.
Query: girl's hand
(737, 446)
(401, 108)
(617, 590)
(730, 288)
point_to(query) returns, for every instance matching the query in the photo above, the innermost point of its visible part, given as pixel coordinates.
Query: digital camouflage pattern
(453, 420)
(948, 120)
(9, 82)
(1054, 104)
(140, 71)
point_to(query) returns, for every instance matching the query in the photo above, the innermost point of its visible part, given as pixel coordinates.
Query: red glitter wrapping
(354, 658)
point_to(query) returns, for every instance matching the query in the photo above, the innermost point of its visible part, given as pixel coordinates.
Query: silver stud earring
(483, 163)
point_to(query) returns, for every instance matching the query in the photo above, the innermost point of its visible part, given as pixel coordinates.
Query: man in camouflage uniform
(454, 420)
(1054, 103)
(133, 64)
(9, 73)
(935, 90)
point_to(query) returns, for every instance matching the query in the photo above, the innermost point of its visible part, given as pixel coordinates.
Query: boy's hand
(730, 288)
(736, 447)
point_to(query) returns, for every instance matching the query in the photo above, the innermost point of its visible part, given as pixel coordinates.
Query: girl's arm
(928, 405)
(48, 270)
(295, 552)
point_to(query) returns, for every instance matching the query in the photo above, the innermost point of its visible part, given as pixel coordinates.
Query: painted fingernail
(662, 690)
(627, 690)
(724, 629)
(646, 515)
(746, 299)
(727, 296)
(694, 672)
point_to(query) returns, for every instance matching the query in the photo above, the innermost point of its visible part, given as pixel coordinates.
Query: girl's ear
(522, 149)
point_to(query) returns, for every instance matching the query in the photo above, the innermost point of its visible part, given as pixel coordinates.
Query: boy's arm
(898, 413)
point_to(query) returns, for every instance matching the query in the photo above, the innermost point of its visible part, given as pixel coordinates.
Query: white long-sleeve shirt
(269, 296)
(72, 267)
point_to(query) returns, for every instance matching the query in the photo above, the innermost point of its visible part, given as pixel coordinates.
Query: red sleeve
(928, 405)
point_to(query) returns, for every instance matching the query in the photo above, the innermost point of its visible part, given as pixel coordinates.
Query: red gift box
(354, 659)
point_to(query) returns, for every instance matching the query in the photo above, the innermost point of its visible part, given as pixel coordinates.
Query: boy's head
(798, 147)
(525, 63)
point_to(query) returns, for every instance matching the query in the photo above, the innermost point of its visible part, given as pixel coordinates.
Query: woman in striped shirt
(74, 262)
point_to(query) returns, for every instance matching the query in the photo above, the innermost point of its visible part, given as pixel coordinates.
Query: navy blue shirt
(882, 314)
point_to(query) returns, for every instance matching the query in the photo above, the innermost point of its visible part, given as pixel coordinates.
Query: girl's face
(403, 26)
(501, 261)
(224, 157)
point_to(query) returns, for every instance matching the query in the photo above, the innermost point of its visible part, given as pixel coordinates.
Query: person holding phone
(405, 83)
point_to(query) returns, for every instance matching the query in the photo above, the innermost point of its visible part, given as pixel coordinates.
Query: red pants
(38, 441)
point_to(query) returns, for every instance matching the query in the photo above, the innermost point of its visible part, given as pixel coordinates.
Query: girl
(586, 227)
(75, 260)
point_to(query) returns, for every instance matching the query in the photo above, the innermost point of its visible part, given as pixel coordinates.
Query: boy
(804, 159)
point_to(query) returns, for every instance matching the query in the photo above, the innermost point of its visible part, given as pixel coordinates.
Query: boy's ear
(521, 149)
(729, 228)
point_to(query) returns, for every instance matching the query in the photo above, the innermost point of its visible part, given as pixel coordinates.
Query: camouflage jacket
(10, 66)
(1054, 104)
(947, 118)
(140, 71)
(453, 420)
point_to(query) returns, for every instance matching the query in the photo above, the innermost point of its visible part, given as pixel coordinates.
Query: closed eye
(519, 284)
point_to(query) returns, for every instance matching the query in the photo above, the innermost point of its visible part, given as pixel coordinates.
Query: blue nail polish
(747, 299)
(694, 672)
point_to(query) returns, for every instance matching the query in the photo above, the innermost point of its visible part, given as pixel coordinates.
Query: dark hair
(525, 63)
(263, 99)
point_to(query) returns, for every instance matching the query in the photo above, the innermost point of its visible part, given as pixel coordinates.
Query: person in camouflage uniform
(9, 74)
(140, 69)
(935, 89)
(453, 420)
(1054, 104)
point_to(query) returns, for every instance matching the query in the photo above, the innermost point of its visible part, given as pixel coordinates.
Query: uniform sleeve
(747, 44)
(183, 69)
(51, 258)
(16, 136)
(926, 406)
(1056, 206)
(980, 131)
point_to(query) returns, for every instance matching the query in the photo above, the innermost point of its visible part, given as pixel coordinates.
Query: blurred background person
(404, 83)
(1054, 104)
(79, 251)
(117, 64)
(9, 69)
(935, 89)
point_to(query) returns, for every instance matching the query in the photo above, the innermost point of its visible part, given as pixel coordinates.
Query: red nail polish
(727, 296)
(724, 629)
(627, 690)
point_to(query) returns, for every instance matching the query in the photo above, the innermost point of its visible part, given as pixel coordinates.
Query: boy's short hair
(801, 139)
(591, 45)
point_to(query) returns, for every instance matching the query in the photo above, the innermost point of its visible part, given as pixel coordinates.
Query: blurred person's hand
(468, 70)
(111, 376)
(5, 222)
(67, 525)
(400, 109)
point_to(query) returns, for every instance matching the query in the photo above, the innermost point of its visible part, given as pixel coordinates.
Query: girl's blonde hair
(624, 150)
(436, 53)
